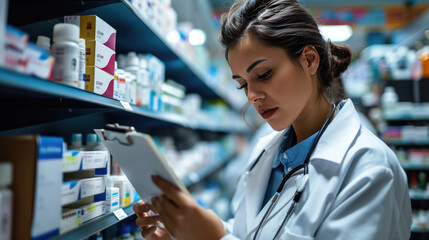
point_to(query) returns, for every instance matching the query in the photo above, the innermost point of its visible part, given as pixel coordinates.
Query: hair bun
(340, 58)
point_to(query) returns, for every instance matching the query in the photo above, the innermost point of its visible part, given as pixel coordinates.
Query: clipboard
(139, 158)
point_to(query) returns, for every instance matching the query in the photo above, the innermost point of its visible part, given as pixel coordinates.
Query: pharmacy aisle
(403, 121)
(76, 69)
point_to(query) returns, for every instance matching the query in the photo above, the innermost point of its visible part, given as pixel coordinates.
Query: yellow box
(100, 56)
(99, 81)
(94, 28)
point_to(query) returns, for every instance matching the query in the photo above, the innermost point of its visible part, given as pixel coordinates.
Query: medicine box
(94, 28)
(15, 45)
(70, 219)
(39, 62)
(100, 56)
(89, 211)
(36, 186)
(99, 81)
(84, 160)
(73, 191)
(74, 215)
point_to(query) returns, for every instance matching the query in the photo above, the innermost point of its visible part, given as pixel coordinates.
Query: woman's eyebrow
(253, 65)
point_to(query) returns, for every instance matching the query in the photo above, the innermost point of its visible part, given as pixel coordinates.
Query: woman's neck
(312, 118)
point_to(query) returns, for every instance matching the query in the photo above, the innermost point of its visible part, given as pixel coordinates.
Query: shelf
(408, 117)
(420, 230)
(414, 166)
(205, 171)
(407, 143)
(47, 101)
(93, 226)
(102, 222)
(134, 33)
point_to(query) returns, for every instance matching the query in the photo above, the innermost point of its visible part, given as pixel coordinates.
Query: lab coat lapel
(257, 179)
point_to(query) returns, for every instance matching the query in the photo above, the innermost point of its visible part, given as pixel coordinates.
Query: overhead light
(336, 33)
(197, 37)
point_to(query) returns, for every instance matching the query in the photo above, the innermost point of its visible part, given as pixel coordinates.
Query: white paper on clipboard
(139, 158)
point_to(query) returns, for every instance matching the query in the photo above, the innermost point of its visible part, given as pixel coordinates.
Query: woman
(323, 175)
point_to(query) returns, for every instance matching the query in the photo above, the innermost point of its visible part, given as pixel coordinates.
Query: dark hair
(286, 24)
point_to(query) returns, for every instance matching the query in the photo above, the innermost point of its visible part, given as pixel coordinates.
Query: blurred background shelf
(407, 143)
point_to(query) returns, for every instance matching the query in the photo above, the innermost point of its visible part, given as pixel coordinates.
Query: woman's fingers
(146, 221)
(141, 207)
(146, 233)
(170, 190)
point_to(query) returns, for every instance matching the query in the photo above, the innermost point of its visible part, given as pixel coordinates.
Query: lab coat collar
(257, 179)
(339, 135)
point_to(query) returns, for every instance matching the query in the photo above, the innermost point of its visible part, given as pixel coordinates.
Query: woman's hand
(182, 217)
(147, 223)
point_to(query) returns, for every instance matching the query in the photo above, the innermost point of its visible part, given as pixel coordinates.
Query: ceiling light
(336, 33)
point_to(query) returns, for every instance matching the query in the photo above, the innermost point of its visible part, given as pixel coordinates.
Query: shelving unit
(408, 142)
(25, 92)
(134, 34)
(35, 106)
(102, 222)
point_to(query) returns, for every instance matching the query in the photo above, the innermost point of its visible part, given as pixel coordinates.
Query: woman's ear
(311, 59)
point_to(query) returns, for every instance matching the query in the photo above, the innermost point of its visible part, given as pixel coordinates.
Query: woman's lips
(268, 113)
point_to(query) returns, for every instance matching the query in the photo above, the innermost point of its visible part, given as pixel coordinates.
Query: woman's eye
(265, 75)
(242, 86)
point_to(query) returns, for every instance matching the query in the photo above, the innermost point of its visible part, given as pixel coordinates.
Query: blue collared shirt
(287, 158)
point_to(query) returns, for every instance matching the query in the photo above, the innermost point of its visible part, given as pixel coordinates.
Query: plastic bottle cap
(77, 137)
(5, 173)
(43, 42)
(82, 43)
(66, 32)
(109, 181)
(131, 59)
(91, 137)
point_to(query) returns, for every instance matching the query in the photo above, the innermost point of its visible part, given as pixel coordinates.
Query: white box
(100, 56)
(94, 28)
(84, 160)
(99, 81)
(73, 191)
(70, 219)
(39, 62)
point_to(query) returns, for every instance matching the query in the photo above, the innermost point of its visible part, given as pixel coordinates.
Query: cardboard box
(99, 81)
(94, 28)
(84, 160)
(36, 186)
(71, 219)
(39, 62)
(73, 191)
(100, 56)
(16, 43)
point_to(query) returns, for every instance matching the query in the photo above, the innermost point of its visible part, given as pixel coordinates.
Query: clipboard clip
(119, 129)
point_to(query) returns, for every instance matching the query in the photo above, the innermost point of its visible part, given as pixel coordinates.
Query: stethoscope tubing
(298, 193)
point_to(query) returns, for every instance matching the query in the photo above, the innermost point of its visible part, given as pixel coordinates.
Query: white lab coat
(356, 189)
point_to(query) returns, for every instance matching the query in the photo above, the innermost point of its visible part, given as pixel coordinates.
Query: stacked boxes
(36, 184)
(100, 53)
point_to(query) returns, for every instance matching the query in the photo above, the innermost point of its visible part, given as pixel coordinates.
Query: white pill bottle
(67, 54)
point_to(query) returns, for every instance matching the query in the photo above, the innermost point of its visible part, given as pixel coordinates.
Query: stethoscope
(301, 184)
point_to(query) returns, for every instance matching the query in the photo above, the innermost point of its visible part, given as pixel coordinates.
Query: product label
(66, 69)
(82, 66)
(120, 214)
